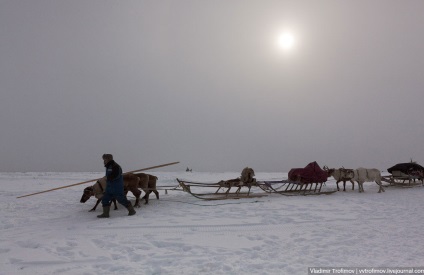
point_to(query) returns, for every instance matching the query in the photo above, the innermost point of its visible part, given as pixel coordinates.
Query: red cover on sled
(312, 173)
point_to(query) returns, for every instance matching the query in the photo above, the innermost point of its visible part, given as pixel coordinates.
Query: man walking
(114, 187)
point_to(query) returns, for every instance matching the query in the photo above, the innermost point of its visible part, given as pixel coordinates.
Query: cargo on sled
(301, 181)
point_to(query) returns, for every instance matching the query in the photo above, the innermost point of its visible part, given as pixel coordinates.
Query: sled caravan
(306, 181)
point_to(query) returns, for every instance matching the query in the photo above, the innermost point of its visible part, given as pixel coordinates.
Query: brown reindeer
(96, 190)
(147, 183)
(130, 184)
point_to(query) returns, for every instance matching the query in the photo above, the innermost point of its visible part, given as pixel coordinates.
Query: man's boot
(105, 214)
(131, 210)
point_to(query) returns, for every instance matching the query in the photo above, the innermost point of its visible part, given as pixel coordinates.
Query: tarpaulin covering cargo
(406, 168)
(312, 173)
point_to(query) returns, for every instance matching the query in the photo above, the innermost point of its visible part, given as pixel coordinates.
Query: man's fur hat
(107, 157)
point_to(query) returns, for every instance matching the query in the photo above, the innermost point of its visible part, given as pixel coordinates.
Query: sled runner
(289, 188)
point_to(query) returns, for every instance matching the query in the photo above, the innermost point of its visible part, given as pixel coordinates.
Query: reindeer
(362, 175)
(341, 174)
(97, 190)
(147, 183)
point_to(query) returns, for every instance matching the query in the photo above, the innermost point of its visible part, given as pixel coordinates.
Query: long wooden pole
(79, 183)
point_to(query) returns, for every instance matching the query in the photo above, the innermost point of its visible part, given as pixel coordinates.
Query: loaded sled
(301, 181)
(407, 174)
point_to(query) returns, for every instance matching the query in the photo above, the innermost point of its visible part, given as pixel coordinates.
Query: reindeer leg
(338, 189)
(146, 197)
(95, 206)
(137, 193)
(353, 185)
(114, 202)
(344, 185)
(361, 187)
(381, 187)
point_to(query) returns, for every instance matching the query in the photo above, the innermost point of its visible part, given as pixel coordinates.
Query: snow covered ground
(53, 233)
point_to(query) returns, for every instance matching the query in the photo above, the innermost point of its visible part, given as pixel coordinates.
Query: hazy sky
(205, 83)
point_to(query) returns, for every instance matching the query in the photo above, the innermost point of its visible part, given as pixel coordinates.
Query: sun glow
(286, 41)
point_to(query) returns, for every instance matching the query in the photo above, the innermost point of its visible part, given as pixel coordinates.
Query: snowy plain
(53, 233)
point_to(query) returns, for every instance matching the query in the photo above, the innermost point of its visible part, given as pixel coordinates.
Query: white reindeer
(362, 175)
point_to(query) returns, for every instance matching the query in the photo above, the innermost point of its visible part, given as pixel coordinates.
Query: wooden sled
(291, 188)
(187, 187)
(402, 180)
(409, 174)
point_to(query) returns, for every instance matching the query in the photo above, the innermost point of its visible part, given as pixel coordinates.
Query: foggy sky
(202, 82)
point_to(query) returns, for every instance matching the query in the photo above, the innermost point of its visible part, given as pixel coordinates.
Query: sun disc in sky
(286, 41)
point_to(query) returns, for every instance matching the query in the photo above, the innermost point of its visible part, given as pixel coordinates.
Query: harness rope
(101, 187)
